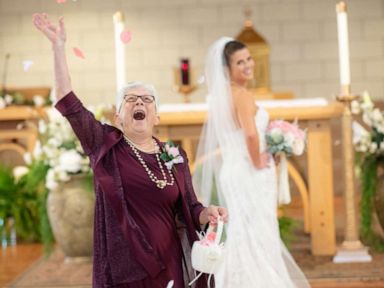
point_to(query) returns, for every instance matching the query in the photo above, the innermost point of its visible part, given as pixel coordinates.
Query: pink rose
(211, 236)
(173, 151)
(298, 147)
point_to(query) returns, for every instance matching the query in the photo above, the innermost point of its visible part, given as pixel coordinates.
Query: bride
(236, 162)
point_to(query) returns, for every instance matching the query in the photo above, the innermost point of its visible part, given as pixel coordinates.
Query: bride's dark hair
(230, 48)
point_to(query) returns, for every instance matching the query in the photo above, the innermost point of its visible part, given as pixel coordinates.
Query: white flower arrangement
(5, 101)
(59, 148)
(369, 141)
(18, 98)
(19, 171)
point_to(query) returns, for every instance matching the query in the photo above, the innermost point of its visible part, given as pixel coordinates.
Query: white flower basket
(207, 255)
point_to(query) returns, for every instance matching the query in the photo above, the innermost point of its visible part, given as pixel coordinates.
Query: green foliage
(25, 201)
(277, 144)
(286, 227)
(20, 204)
(35, 181)
(89, 182)
(7, 192)
(369, 165)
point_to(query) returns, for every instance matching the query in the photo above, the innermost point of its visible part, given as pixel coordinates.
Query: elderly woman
(146, 215)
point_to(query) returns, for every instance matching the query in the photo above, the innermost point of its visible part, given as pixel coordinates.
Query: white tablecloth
(194, 107)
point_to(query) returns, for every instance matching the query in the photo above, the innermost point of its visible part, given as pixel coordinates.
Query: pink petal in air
(78, 53)
(61, 1)
(27, 64)
(125, 37)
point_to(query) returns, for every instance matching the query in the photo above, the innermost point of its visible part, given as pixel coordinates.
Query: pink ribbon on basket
(209, 239)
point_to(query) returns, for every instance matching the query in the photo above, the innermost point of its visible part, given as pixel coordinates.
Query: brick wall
(302, 34)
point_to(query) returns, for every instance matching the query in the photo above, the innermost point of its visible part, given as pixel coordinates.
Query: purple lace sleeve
(195, 206)
(89, 131)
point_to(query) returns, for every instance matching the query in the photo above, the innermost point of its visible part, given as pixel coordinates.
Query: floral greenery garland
(369, 185)
(368, 138)
(18, 98)
(369, 145)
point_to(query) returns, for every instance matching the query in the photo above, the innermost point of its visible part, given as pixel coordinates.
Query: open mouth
(139, 115)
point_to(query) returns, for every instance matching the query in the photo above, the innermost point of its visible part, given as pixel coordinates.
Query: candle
(342, 29)
(118, 21)
(185, 71)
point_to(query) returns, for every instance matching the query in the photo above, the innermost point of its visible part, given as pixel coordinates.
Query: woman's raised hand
(55, 33)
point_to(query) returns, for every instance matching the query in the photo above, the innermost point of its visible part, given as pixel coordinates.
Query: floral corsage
(171, 155)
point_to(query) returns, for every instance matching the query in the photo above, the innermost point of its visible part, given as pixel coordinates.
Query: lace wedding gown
(254, 254)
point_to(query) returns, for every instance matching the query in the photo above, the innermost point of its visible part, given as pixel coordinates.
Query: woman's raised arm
(57, 36)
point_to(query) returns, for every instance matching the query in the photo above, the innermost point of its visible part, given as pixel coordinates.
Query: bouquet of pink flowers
(284, 139)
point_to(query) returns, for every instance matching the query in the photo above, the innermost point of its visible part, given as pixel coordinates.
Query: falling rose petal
(201, 80)
(78, 53)
(125, 37)
(27, 64)
(61, 1)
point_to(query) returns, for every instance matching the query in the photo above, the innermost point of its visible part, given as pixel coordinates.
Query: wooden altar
(184, 125)
(316, 191)
(18, 129)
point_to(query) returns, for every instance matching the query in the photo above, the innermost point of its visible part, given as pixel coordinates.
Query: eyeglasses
(144, 98)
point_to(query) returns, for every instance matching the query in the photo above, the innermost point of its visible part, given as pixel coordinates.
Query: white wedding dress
(254, 255)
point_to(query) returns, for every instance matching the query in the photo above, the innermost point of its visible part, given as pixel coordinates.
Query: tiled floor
(321, 271)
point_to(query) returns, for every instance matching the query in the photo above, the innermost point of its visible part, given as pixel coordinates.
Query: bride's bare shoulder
(243, 98)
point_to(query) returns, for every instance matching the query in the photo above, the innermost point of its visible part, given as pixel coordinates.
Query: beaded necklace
(159, 183)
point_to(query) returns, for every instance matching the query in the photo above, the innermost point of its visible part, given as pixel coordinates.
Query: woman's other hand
(211, 213)
(55, 33)
(277, 157)
(263, 162)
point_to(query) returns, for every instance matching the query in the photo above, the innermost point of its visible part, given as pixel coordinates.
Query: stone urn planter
(70, 211)
(379, 196)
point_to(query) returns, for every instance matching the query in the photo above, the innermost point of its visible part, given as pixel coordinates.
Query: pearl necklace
(159, 183)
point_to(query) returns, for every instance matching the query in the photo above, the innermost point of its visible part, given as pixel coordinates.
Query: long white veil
(255, 217)
(218, 127)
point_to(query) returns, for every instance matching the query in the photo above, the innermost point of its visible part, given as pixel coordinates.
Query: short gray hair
(133, 85)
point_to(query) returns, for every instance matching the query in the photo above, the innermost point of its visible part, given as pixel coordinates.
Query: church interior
(318, 64)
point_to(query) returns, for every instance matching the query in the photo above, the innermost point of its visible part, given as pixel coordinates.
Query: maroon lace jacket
(121, 252)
